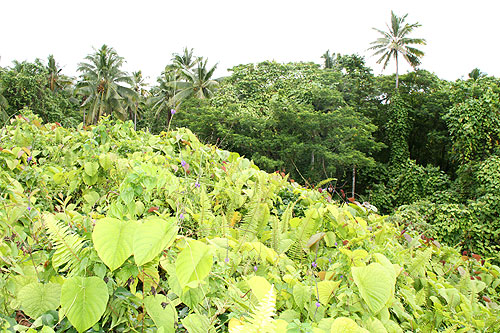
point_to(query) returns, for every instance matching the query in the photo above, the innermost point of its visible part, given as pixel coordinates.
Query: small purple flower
(183, 163)
(227, 259)
(329, 260)
(29, 159)
(196, 184)
(318, 304)
(341, 276)
(181, 216)
(255, 268)
(29, 209)
(314, 264)
(172, 111)
(335, 243)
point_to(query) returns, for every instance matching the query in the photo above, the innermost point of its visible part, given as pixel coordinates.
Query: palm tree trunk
(397, 72)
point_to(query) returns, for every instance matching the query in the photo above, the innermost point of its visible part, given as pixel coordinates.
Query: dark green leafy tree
(106, 89)
(26, 85)
(396, 42)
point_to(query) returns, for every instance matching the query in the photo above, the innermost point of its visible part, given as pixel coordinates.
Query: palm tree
(199, 83)
(139, 86)
(329, 61)
(102, 86)
(55, 80)
(186, 60)
(163, 97)
(395, 41)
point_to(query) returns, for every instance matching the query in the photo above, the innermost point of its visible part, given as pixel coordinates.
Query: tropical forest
(282, 197)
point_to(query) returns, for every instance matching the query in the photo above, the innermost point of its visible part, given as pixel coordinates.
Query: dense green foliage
(112, 229)
(102, 203)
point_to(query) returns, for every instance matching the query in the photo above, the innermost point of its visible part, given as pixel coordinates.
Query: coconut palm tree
(186, 60)
(395, 42)
(163, 97)
(102, 85)
(56, 80)
(134, 101)
(199, 82)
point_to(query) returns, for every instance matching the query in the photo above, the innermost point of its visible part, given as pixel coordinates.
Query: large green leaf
(91, 168)
(301, 295)
(376, 284)
(37, 298)
(151, 237)
(193, 264)
(260, 287)
(197, 323)
(83, 301)
(113, 240)
(346, 325)
(326, 290)
(162, 312)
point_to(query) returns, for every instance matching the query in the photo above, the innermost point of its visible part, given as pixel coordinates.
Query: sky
(461, 35)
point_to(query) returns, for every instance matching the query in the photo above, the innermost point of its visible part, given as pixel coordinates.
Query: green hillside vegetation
(111, 229)
(283, 197)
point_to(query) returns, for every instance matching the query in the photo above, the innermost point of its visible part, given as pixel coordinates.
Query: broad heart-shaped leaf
(260, 287)
(37, 298)
(193, 264)
(83, 301)
(161, 311)
(151, 237)
(91, 168)
(197, 323)
(301, 295)
(326, 289)
(113, 240)
(346, 325)
(376, 284)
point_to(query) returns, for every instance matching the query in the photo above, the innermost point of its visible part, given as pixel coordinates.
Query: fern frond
(262, 320)
(205, 216)
(256, 217)
(306, 228)
(70, 248)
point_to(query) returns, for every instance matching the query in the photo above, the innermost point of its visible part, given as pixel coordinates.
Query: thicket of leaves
(110, 229)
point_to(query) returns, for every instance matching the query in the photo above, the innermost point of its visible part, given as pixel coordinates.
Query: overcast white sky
(461, 35)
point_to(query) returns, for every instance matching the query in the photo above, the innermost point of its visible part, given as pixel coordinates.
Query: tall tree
(199, 81)
(55, 79)
(185, 60)
(137, 99)
(395, 42)
(329, 61)
(102, 84)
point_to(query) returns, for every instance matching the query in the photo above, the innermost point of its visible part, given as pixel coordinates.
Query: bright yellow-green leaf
(37, 298)
(83, 301)
(326, 290)
(91, 168)
(193, 264)
(376, 284)
(160, 309)
(152, 237)
(113, 240)
(260, 287)
(346, 325)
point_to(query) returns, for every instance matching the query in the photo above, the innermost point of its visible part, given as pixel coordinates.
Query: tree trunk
(397, 71)
(353, 181)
